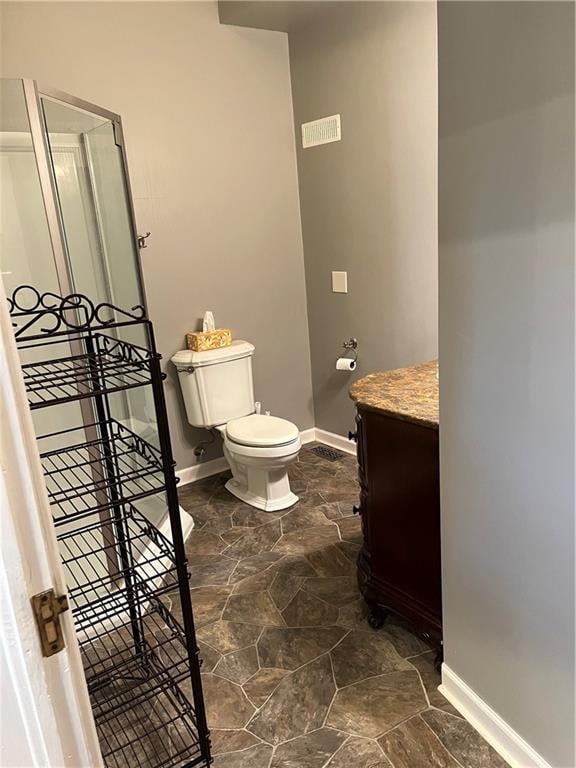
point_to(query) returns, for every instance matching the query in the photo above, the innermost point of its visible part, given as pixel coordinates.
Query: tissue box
(201, 341)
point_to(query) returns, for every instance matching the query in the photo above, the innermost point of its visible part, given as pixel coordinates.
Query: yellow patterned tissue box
(202, 341)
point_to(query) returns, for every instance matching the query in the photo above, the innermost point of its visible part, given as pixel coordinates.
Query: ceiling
(282, 16)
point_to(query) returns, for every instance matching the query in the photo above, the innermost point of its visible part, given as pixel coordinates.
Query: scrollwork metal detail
(121, 350)
(47, 313)
(148, 452)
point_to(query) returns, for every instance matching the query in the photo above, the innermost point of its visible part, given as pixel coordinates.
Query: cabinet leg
(438, 659)
(377, 617)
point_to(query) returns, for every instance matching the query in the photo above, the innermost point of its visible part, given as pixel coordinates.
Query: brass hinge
(47, 607)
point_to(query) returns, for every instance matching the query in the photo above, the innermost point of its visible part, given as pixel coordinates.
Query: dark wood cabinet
(399, 567)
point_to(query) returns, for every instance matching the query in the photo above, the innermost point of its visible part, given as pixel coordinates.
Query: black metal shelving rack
(141, 663)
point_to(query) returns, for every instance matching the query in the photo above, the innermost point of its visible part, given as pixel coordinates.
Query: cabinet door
(403, 511)
(362, 479)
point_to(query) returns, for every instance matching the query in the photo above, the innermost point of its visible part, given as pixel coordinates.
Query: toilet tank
(216, 385)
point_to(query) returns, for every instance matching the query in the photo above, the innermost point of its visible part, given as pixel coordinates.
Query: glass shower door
(86, 155)
(102, 251)
(111, 201)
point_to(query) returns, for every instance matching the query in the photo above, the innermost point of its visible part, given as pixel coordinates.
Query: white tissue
(345, 364)
(208, 322)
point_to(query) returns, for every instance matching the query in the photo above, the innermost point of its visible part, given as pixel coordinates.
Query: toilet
(218, 392)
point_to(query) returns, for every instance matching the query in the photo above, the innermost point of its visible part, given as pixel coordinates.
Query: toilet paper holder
(351, 346)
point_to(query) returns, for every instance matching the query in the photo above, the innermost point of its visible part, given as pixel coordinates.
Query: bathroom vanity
(398, 464)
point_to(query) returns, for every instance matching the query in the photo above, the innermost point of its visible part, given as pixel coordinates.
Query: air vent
(322, 131)
(327, 453)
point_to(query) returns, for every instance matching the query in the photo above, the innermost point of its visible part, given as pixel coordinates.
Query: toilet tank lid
(187, 357)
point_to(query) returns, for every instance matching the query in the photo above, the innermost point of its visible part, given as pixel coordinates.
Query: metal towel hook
(142, 240)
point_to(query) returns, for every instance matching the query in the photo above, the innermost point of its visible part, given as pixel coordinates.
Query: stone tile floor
(293, 675)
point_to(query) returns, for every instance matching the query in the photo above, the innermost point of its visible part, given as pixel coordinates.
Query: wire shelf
(111, 365)
(142, 715)
(141, 665)
(161, 732)
(103, 554)
(117, 466)
(117, 659)
(115, 634)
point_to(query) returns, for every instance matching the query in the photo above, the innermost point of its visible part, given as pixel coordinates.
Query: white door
(45, 715)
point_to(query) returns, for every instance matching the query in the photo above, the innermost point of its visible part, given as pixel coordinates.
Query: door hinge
(47, 607)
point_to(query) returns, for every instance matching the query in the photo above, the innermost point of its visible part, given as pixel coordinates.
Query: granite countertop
(410, 394)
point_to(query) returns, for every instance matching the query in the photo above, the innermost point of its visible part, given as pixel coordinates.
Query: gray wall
(208, 124)
(369, 202)
(506, 226)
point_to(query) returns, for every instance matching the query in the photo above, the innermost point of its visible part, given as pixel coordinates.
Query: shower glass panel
(90, 178)
(91, 187)
(64, 190)
(112, 209)
(26, 255)
(26, 250)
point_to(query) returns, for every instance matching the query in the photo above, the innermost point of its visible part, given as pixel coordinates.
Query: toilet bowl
(259, 450)
(218, 393)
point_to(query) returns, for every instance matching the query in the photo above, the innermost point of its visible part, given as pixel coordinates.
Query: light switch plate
(339, 282)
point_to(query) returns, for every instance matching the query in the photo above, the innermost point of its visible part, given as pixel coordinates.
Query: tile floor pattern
(293, 675)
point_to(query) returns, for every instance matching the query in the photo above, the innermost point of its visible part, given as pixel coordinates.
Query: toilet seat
(261, 431)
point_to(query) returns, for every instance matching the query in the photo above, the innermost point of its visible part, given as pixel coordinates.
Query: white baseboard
(308, 435)
(186, 520)
(504, 739)
(199, 471)
(333, 440)
(213, 467)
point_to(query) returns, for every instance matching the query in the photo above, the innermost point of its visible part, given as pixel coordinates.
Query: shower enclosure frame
(33, 93)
